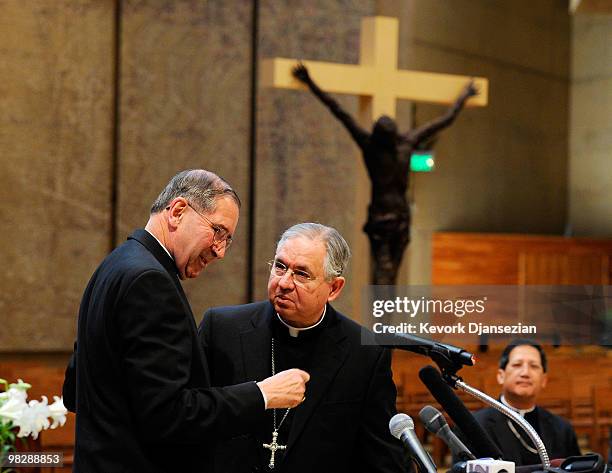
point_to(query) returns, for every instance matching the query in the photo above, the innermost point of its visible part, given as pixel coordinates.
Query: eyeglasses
(221, 234)
(300, 277)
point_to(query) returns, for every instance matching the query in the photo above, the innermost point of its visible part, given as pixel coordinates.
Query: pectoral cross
(273, 447)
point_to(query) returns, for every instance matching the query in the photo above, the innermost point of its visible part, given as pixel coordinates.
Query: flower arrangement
(29, 417)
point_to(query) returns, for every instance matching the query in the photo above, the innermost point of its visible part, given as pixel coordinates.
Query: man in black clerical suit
(138, 380)
(342, 426)
(522, 375)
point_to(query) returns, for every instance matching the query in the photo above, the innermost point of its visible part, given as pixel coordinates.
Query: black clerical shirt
(290, 352)
(527, 457)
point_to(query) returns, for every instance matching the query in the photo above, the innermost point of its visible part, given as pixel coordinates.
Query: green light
(422, 161)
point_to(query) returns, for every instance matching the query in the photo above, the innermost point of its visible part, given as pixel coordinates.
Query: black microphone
(434, 422)
(401, 427)
(481, 444)
(589, 463)
(445, 355)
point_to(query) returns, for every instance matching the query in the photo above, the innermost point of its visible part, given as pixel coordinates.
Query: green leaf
(6, 449)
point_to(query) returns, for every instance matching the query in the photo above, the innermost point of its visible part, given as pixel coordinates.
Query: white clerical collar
(295, 331)
(522, 412)
(160, 244)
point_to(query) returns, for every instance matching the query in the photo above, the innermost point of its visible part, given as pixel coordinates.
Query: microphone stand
(449, 364)
(454, 381)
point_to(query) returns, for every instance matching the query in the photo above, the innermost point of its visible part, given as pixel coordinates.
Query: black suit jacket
(342, 426)
(557, 434)
(138, 379)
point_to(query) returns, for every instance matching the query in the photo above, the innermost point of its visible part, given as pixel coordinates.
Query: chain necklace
(520, 438)
(273, 446)
(512, 428)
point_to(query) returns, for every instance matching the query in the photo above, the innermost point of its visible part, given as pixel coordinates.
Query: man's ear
(175, 210)
(336, 288)
(501, 376)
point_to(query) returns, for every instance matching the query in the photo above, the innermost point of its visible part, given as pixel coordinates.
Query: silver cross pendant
(273, 447)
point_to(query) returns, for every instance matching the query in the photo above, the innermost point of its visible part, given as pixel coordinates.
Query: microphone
(488, 465)
(401, 427)
(434, 422)
(445, 355)
(589, 463)
(461, 467)
(481, 444)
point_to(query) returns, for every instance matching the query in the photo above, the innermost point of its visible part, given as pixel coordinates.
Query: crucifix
(379, 83)
(273, 447)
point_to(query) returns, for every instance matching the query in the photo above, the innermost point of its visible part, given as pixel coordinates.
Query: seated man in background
(342, 425)
(522, 375)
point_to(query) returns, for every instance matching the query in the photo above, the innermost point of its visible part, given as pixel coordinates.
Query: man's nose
(218, 249)
(286, 280)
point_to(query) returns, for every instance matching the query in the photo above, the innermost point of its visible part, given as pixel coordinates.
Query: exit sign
(422, 161)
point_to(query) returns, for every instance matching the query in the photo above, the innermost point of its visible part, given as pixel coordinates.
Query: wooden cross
(378, 83)
(376, 79)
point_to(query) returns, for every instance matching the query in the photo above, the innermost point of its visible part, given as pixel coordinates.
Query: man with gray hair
(342, 425)
(138, 380)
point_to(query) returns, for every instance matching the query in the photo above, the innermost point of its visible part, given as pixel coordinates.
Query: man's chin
(192, 274)
(283, 310)
(524, 393)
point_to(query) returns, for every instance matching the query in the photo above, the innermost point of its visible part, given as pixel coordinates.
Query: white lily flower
(13, 393)
(17, 393)
(20, 385)
(34, 419)
(30, 417)
(58, 412)
(13, 408)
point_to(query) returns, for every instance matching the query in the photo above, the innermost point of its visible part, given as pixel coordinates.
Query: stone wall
(590, 162)
(502, 168)
(56, 97)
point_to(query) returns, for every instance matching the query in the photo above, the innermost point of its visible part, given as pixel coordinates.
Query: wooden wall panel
(56, 59)
(184, 103)
(562, 268)
(473, 258)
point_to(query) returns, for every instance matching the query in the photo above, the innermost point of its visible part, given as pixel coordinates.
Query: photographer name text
(426, 328)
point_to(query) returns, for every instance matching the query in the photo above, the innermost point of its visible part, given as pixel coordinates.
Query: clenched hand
(285, 389)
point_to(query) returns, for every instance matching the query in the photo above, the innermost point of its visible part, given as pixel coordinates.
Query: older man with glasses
(138, 380)
(342, 425)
